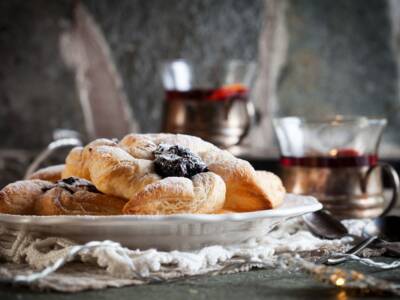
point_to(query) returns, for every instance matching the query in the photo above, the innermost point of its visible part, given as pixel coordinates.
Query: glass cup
(209, 101)
(336, 160)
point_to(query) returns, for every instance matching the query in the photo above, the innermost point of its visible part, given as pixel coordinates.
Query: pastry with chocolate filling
(75, 196)
(168, 180)
(140, 169)
(246, 189)
(187, 185)
(19, 198)
(70, 196)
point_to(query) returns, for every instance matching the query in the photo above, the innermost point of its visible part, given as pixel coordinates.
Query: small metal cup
(352, 192)
(335, 160)
(222, 122)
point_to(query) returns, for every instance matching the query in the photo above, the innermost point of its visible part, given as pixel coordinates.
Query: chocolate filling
(174, 160)
(73, 184)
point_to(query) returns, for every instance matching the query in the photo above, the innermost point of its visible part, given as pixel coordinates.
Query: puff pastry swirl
(246, 189)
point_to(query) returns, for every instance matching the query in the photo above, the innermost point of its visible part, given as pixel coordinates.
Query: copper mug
(336, 160)
(209, 101)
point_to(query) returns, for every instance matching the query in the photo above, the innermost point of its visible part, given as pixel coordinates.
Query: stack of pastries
(146, 174)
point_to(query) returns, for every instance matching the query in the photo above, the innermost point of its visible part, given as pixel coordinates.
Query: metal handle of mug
(394, 182)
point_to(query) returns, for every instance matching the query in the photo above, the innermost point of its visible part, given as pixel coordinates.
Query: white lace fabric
(100, 264)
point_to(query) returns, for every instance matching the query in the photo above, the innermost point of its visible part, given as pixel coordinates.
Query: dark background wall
(342, 57)
(144, 33)
(38, 92)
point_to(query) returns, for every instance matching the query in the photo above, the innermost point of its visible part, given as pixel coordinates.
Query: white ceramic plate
(165, 232)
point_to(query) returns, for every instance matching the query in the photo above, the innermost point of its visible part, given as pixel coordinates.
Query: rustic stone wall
(340, 60)
(37, 92)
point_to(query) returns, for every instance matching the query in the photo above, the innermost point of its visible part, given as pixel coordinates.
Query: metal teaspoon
(324, 225)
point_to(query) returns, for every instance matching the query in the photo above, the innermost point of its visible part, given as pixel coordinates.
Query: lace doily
(96, 265)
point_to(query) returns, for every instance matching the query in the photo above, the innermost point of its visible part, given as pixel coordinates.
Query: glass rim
(333, 120)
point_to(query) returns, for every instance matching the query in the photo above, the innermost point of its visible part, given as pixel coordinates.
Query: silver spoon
(379, 233)
(324, 225)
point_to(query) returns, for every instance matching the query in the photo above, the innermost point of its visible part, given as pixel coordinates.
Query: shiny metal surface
(324, 225)
(381, 232)
(387, 230)
(353, 192)
(319, 146)
(394, 182)
(223, 123)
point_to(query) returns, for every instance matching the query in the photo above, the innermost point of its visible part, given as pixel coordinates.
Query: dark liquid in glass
(195, 94)
(218, 115)
(336, 181)
(329, 161)
(213, 94)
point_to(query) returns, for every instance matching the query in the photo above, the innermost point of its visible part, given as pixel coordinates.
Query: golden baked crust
(69, 197)
(76, 163)
(19, 197)
(115, 171)
(58, 201)
(124, 181)
(147, 143)
(51, 173)
(204, 193)
(79, 197)
(273, 187)
(126, 170)
(139, 145)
